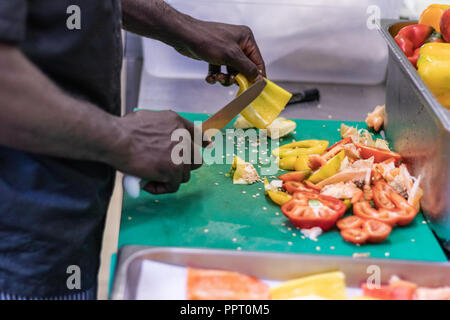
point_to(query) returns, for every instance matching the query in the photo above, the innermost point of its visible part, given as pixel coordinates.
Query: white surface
(300, 40)
(160, 281)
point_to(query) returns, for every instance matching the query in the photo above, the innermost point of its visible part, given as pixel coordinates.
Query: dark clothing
(52, 210)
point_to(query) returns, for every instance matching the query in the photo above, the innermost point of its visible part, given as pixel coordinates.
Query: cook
(61, 137)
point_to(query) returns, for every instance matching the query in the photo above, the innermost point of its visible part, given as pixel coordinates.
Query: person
(61, 136)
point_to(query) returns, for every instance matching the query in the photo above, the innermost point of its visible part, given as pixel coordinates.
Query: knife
(219, 120)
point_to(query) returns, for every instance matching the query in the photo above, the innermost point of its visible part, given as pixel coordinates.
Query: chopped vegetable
(224, 285)
(307, 210)
(243, 172)
(288, 163)
(298, 176)
(279, 128)
(330, 169)
(302, 163)
(279, 197)
(304, 147)
(267, 106)
(329, 285)
(375, 119)
(378, 154)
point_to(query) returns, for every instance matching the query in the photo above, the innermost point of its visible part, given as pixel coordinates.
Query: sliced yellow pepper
(432, 15)
(279, 197)
(302, 163)
(330, 169)
(288, 163)
(434, 68)
(269, 104)
(304, 147)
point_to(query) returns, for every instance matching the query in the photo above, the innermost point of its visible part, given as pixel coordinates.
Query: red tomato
(224, 285)
(297, 176)
(355, 235)
(380, 155)
(352, 222)
(307, 210)
(377, 231)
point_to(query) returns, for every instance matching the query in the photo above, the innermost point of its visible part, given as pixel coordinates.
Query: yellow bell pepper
(279, 197)
(302, 163)
(328, 170)
(434, 68)
(304, 147)
(288, 163)
(432, 16)
(269, 104)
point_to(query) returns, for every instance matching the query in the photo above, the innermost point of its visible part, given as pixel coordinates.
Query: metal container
(271, 266)
(418, 127)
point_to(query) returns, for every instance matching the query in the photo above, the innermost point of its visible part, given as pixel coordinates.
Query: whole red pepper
(411, 38)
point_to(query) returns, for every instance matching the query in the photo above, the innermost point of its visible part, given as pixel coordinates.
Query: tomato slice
(378, 231)
(307, 210)
(355, 235)
(224, 285)
(297, 176)
(294, 186)
(352, 222)
(380, 155)
(364, 210)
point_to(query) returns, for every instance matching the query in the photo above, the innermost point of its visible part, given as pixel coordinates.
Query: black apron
(52, 210)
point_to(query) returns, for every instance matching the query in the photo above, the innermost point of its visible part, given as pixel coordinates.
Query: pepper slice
(355, 235)
(351, 222)
(328, 170)
(294, 187)
(379, 155)
(378, 231)
(298, 176)
(364, 210)
(307, 210)
(279, 197)
(298, 148)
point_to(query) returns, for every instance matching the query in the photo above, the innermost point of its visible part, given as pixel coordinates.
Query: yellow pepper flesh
(267, 106)
(302, 163)
(279, 197)
(432, 15)
(328, 170)
(288, 163)
(304, 147)
(434, 68)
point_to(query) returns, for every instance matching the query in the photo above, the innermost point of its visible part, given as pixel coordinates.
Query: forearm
(157, 20)
(36, 116)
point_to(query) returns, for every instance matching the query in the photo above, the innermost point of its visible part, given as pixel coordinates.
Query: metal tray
(418, 127)
(270, 266)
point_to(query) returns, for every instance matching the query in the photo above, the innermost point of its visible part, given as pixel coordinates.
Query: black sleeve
(13, 14)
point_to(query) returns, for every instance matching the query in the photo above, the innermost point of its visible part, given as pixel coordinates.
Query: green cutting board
(211, 212)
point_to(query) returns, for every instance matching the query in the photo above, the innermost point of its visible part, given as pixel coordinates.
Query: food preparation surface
(211, 212)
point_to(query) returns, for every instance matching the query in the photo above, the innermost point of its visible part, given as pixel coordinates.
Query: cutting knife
(218, 121)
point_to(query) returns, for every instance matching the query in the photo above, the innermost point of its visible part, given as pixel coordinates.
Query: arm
(216, 43)
(36, 116)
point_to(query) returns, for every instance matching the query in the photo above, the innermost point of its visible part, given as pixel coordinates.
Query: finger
(186, 173)
(196, 132)
(213, 70)
(223, 79)
(244, 65)
(196, 157)
(252, 51)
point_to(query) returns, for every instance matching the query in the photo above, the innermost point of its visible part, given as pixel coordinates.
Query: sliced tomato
(307, 210)
(389, 292)
(355, 235)
(364, 210)
(297, 176)
(378, 231)
(352, 222)
(293, 187)
(380, 155)
(224, 285)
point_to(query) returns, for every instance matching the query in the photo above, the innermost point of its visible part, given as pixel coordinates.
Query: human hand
(147, 150)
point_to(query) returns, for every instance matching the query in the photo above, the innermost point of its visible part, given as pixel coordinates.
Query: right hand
(146, 149)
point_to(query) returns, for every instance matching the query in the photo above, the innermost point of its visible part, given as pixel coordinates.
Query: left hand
(224, 44)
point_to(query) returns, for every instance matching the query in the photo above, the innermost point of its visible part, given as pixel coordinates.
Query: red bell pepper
(411, 38)
(445, 25)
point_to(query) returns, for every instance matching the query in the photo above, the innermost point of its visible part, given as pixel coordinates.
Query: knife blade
(225, 115)
(219, 120)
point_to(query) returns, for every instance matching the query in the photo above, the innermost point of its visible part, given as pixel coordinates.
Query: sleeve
(13, 15)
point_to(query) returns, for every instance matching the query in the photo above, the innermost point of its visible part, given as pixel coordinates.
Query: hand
(224, 44)
(146, 150)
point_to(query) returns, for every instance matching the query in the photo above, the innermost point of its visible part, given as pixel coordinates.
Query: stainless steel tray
(418, 127)
(270, 266)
